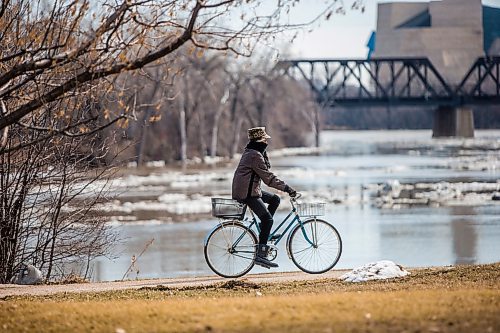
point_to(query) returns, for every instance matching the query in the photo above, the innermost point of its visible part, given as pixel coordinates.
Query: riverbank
(452, 299)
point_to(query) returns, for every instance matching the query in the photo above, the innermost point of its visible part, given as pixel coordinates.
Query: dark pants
(265, 214)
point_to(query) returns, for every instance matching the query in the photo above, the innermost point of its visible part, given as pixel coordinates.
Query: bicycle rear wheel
(322, 254)
(230, 249)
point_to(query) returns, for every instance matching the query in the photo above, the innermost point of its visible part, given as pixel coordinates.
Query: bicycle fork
(314, 235)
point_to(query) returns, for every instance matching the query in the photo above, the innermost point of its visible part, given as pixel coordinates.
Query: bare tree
(219, 109)
(47, 191)
(147, 118)
(235, 87)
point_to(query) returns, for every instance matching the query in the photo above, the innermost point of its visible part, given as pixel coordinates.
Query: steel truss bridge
(404, 81)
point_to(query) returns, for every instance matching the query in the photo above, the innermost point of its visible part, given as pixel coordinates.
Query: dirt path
(15, 290)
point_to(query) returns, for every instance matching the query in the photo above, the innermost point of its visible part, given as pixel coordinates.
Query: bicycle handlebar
(297, 196)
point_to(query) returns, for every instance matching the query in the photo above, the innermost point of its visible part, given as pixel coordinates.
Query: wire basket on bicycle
(311, 209)
(228, 208)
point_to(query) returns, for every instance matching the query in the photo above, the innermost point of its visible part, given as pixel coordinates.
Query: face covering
(261, 148)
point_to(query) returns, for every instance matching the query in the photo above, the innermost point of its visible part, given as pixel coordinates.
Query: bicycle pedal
(275, 237)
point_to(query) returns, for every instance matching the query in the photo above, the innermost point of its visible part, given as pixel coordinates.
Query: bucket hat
(257, 133)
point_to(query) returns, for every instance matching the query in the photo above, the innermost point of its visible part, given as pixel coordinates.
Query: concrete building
(451, 33)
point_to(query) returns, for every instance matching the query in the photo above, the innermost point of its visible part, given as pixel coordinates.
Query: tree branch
(88, 75)
(64, 132)
(49, 62)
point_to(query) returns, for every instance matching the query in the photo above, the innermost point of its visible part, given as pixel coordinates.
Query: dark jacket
(251, 169)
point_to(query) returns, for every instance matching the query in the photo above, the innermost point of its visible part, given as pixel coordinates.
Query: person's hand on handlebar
(291, 191)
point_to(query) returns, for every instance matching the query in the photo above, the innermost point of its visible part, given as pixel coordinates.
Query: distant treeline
(200, 105)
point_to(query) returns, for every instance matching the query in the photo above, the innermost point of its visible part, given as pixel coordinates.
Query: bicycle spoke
(218, 246)
(325, 251)
(229, 260)
(307, 248)
(229, 242)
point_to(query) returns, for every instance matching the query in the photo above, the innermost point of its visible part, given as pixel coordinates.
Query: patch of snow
(295, 151)
(213, 160)
(119, 222)
(380, 270)
(28, 274)
(197, 204)
(391, 194)
(174, 179)
(172, 197)
(175, 203)
(122, 218)
(309, 173)
(155, 164)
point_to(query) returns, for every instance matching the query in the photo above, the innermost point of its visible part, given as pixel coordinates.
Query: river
(349, 172)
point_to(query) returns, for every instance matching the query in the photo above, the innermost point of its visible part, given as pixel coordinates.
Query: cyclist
(253, 167)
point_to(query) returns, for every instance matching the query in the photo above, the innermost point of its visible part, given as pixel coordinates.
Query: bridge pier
(450, 121)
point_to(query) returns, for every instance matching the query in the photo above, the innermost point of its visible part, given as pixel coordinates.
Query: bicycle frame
(295, 219)
(313, 244)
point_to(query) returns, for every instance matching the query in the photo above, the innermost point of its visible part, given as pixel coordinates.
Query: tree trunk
(236, 139)
(144, 127)
(182, 127)
(317, 125)
(260, 113)
(215, 132)
(215, 127)
(54, 224)
(201, 136)
(12, 200)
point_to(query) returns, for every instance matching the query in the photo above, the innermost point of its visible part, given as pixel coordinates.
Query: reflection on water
(176, 251)
(412, 237)
(464, 235)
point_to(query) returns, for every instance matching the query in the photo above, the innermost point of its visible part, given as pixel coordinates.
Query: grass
(459, 299)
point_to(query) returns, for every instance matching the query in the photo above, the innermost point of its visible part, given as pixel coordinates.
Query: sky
(342, 36)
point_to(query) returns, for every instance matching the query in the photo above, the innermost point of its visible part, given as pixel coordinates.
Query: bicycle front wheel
(230, 249)
(316, 247)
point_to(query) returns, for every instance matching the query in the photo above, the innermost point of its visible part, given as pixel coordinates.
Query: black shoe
(263, 263)
(261, 257)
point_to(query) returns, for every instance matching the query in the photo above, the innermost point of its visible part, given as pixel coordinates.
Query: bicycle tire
(220, 254)
(319, 259)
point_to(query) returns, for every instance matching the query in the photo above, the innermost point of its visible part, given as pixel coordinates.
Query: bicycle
(314, 245)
